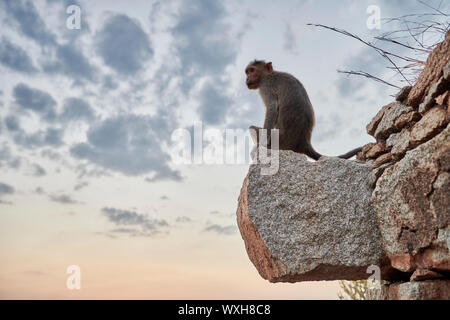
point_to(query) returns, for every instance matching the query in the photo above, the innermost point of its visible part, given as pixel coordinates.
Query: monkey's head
(256, 71)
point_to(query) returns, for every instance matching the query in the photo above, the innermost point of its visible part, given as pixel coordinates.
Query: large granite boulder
(412, 205)
(311, 220)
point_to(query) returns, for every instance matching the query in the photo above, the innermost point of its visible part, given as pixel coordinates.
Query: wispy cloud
(290, 41)
(71, 62)
(15, 58)
(183, 219)
(202, 38)
(38, 171)
(129, 144)
(6, 189)
(222, 230)
(80, 185)
(12, 123)
(214, 104)
(25, 16)
(48, 137)
(142, 225)
(35, 100)
(63, 199)
(7, 159)
(76, 109)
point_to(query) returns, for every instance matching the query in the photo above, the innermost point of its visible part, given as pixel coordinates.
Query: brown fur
(288, 108)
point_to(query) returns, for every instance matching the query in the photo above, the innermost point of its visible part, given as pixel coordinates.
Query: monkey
(288, 109)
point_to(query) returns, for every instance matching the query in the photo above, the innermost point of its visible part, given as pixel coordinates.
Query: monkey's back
(296, 115)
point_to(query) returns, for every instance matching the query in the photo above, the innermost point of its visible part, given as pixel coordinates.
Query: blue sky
(86, 122)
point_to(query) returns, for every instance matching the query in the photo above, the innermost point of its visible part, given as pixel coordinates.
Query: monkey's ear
(269, 67)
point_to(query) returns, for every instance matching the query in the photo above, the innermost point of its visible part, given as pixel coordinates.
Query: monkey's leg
(254, 134)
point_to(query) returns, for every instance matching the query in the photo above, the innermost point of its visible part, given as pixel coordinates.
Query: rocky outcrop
(422, 290)
(333, 218)
(311, 220)
(434, 69)
(412, 202)
(411, 199)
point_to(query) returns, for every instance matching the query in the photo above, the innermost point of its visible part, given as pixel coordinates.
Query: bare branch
(419, 33)
(382, 52)
(381, 38)
(431, 7)
(367, 75)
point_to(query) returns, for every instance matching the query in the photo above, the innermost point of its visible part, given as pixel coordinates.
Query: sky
(94, 117)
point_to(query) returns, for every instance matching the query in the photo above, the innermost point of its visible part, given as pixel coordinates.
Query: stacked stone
(411, 177)
(334, 218)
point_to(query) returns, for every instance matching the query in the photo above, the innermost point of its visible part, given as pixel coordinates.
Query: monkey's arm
(271, 119)
(272, 111)
(254, 133)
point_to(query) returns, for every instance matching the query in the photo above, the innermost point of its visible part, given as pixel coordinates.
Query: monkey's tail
(350, 154)
(310, 152)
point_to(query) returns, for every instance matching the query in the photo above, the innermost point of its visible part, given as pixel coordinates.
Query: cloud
(130, 144)
(123, 44)
(68, 59)
(7, 159)
(60, 6)
(290, 42)
(80, 185)
(165, 174)
(51, 154)
(26, 17)
(144, 226)
(76, 109)
(109, 83)
(222, 230)
(203, 42)
(328, 127)
(36, 100)
(12, 123)
(63, 198)
(205, 47)
(6, 189)
(39, 190)
(183, 219)
(15, 58)
(38, 171)
(366, 60)
(70, 62)
(213, 104)
(49, 137)
(124, 217)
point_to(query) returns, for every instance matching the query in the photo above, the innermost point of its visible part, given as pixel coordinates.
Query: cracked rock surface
(310, 220)
(411, 202)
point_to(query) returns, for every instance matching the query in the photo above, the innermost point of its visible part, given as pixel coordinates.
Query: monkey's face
(254, 76)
